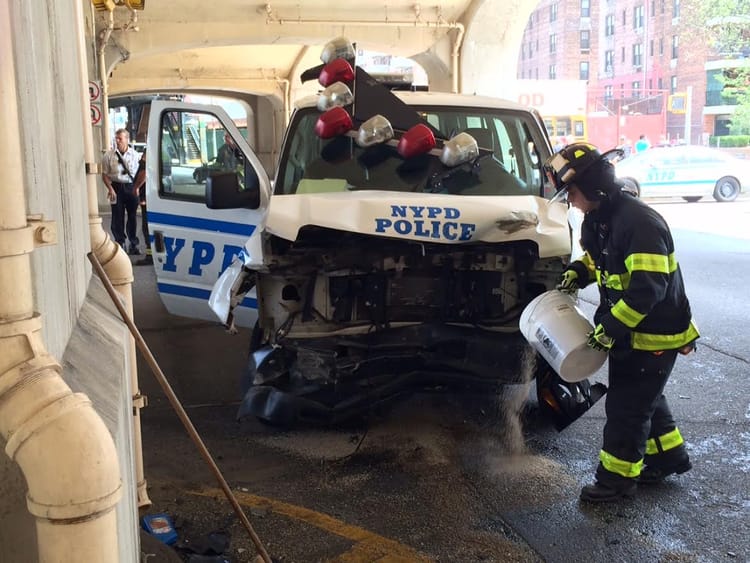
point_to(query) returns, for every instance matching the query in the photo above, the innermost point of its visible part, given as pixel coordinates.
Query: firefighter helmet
(567, 165)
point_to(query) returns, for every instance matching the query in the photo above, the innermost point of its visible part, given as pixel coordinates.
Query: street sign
(95, 91)
(96, 114)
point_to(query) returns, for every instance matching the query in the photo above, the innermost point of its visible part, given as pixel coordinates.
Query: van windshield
(314, 165)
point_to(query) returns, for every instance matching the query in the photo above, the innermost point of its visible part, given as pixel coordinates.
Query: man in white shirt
(119, 167)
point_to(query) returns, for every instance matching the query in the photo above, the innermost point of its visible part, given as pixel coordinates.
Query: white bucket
(558, 330)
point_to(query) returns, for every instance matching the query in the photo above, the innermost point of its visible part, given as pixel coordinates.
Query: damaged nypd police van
(395, 250)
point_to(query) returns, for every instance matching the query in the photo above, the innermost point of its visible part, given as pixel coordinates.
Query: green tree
(725, 27)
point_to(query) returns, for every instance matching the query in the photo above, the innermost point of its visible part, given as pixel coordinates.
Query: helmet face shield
(562, 167)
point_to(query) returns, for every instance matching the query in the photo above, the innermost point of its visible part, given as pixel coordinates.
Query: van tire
(727, 189)
(692, 198)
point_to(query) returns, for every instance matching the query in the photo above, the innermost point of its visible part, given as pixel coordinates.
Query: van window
(516, 142)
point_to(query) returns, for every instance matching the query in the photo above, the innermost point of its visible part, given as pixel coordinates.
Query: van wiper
(436, 182)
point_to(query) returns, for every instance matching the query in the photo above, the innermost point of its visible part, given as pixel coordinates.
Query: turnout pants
(639, 428)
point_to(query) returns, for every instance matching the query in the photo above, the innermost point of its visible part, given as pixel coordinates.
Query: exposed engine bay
(349, 319)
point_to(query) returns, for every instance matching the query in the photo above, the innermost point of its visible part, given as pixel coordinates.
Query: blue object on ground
(161, 527)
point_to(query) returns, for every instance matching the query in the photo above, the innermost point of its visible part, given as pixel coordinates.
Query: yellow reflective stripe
(588, 261)
(655, 342)
(668, 441)
(620, 466)
(651, 263)
(626, 314)
(619, 282)
(671, 440)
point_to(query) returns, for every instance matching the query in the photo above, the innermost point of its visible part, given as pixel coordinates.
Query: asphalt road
(465, 478)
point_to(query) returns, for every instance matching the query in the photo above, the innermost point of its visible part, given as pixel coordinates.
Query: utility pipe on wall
(113, 259)
(60, 443)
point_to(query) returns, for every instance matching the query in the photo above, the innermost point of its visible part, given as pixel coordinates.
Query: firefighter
(643, 320)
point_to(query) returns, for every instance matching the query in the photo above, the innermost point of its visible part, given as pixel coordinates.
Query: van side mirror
(223, 191)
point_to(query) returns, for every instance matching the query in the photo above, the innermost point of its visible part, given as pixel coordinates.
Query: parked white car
(690, 172)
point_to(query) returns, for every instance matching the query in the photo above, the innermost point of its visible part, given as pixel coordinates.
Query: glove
(569, 282)
(599, 340)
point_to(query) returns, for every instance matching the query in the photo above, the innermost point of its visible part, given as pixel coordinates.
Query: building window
(552, 72)
(609, 61)
(586, 8)
(585, 40)
(583, 70)
(675, 45)
(653, 8)
(609, 25)
(673, 85)
(608, 93)
(651, 48)
(635, 89)
(531, 50)
(637, 54)
(675, 8)
(536, 73)
(523, 51)
(624, 18)
(661, 46)
(660, 83)
(552, 43)
(622, 55)
(638, 17)
(663, 2)
(553, 12)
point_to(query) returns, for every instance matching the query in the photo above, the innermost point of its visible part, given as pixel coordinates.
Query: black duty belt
(123, 184)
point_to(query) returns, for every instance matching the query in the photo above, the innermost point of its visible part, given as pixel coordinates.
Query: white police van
(401, 239)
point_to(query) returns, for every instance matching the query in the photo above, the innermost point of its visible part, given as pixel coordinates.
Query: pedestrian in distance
(642, 144)
(643, 320)
(119, 167)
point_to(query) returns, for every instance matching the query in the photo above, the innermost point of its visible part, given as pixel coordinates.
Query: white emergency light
(461, 148)
(337, 94)
(374, 131)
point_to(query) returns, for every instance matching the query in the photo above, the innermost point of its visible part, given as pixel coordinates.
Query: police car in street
(403, 236)
(690, 172)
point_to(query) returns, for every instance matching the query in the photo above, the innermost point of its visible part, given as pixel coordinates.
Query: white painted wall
(49, 91)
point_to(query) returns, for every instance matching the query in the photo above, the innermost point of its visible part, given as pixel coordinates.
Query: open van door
(206, 193)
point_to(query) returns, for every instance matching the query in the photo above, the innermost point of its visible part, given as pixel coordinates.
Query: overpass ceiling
(194, 43)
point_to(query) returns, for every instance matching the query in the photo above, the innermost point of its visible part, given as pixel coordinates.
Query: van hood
(437, 218)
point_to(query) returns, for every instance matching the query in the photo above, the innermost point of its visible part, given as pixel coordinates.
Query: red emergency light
(338, 70)
(417, 140)
(336, 121)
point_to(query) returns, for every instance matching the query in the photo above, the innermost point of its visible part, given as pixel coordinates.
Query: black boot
(654, 475)
(598, 492)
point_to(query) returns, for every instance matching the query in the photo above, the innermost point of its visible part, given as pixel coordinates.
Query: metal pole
(688, 117)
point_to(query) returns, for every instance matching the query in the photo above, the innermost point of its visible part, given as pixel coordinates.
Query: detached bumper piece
(564, 402)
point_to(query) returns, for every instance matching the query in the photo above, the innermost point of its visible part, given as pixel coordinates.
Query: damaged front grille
(328, 280)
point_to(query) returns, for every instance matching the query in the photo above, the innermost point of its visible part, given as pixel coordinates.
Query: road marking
(368, 546)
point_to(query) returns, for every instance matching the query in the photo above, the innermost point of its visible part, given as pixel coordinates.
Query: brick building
(635, 55)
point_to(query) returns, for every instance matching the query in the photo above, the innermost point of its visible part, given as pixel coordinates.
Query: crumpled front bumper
(229, 291)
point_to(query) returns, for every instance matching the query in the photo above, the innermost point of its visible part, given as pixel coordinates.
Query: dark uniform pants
(639, 422)
(127, 202)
